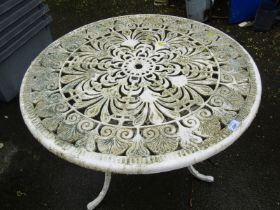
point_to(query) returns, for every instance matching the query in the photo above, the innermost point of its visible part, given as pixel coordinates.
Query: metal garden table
(140, 94)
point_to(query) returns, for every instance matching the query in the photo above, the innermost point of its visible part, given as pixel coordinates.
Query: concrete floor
(247, 174)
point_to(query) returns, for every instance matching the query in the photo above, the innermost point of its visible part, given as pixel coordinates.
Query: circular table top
(140, 94)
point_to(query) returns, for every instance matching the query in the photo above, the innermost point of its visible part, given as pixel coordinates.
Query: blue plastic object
(243, 10)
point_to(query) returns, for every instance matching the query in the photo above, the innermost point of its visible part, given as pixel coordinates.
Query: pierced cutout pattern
(139, 86)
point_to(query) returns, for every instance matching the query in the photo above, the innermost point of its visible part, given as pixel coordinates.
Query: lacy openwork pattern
(140, 86)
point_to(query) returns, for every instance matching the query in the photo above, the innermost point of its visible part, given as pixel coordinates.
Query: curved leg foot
(102, 194)
(200, 176)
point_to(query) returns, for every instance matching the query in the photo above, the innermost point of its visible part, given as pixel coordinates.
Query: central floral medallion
(140, 86)
(138, 67)
(142, 78)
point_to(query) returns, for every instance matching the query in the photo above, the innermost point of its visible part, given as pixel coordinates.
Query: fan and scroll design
(140, 86)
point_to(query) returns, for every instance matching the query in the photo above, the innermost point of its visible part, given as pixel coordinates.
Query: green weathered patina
(140, 91)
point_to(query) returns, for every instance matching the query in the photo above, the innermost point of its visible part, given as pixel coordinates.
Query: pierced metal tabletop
(140, 94)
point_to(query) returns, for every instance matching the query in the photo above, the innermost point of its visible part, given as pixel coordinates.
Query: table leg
(102, 194)
(200, 176)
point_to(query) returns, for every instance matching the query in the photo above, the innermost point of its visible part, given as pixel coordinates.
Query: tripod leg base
(102, 194)
(200, 176)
